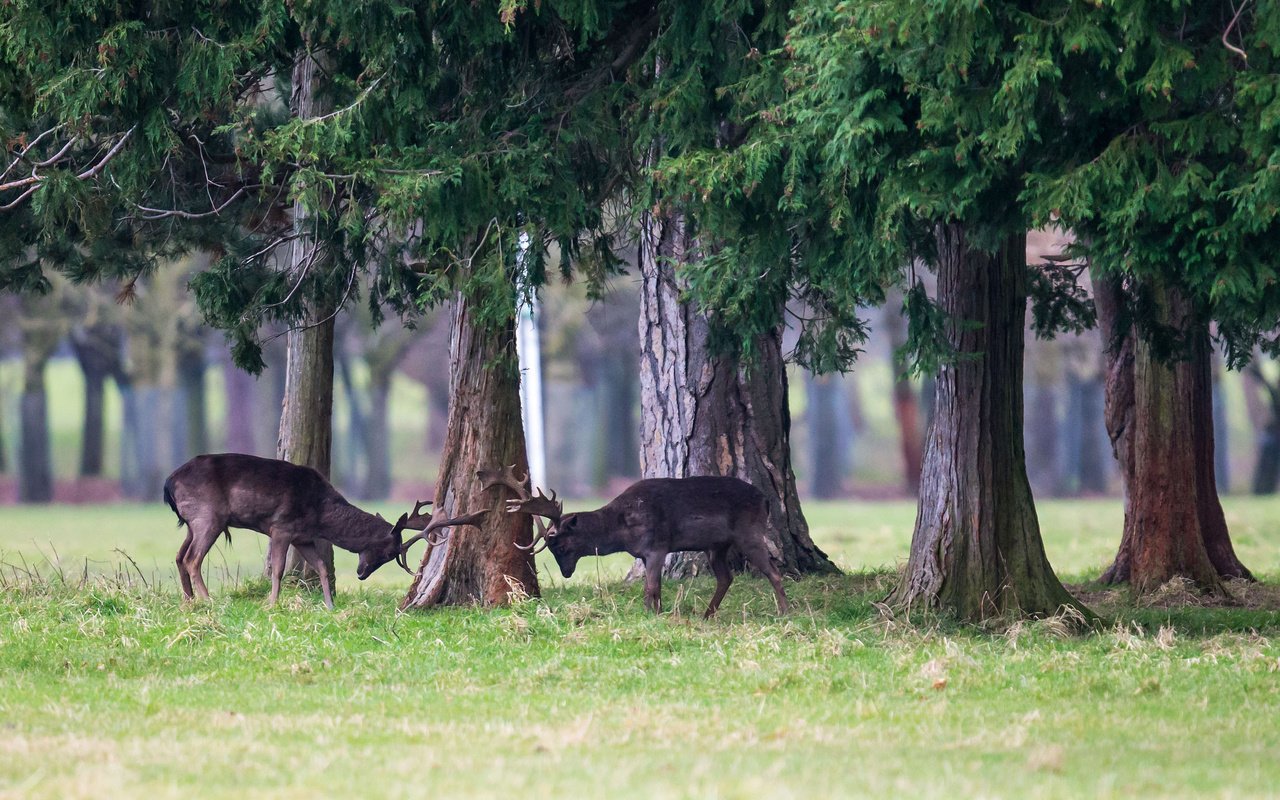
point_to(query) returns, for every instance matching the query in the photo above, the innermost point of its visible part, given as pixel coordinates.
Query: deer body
(658, 516)
(292, 505)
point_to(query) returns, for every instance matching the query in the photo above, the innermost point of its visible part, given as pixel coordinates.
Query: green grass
(110, 687)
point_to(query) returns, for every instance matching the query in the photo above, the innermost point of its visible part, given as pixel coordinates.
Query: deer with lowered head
(650, 519)
(292, 505)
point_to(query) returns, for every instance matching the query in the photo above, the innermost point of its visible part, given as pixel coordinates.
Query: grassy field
(110, 687)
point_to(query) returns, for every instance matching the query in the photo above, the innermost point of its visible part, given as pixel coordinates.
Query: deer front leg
(653, 581)
(277, 552)
(312, 557)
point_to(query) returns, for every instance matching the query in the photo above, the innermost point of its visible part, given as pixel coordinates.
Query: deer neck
(353, 529)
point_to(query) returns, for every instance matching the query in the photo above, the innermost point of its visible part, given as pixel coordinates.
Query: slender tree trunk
(618, 386)
(826, 479)
(708, 415)
(97, 350)
(1092, 465)
(906, 403)
(241, 409)
(1041, 429)
(306, 419)
(1160, 418)
(479, 565)
(35, 463)
(976, 551)
(377, 435)
(191, 368)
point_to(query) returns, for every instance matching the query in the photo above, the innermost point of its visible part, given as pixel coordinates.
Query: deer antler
(435, 522)
(536, 507)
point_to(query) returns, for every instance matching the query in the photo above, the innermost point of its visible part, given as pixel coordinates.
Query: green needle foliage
(455, 129)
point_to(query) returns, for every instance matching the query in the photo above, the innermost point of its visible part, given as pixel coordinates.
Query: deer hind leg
(653, 581)
(184, 577)
(758, 556)
(719, 561)
(204, 532)
(312, 557)
(277, 552)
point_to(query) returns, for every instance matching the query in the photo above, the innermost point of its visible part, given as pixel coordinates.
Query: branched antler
(428, 526)
(535, 506)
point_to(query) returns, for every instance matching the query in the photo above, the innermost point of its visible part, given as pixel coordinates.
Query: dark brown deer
(292, 505)
(651, 519)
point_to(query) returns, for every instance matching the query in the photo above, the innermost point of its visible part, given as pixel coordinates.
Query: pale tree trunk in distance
(479, 565)
(1161, 418)
(97, 349)
(708, 415)
(306, 419)
(906, 403)
(976, 551)
(42, 330)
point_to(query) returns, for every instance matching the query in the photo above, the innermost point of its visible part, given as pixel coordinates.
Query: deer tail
(168, 498)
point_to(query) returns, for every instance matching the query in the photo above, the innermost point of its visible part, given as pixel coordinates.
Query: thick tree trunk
(1160, 418)
(479, 565)
(976, 551)
(708, 415)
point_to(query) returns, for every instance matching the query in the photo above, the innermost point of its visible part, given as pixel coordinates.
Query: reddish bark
(479, 565)
(1160, 418)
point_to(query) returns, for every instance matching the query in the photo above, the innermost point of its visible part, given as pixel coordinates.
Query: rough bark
(976, 551)
(479, 565)
(704, 414)
(1160, 418)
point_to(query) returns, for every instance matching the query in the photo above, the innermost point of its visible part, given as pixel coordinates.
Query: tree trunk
(377, 435)
(826, 464)
(306, 417)
(906, 403)
(479, 565)
(1160, 418)
(97, 351)
(976, 551)
(191, 368)
(618, 387)
(1091, 462)
(35, 464)
(1041, 428)
(708, 415)
(241, 390)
